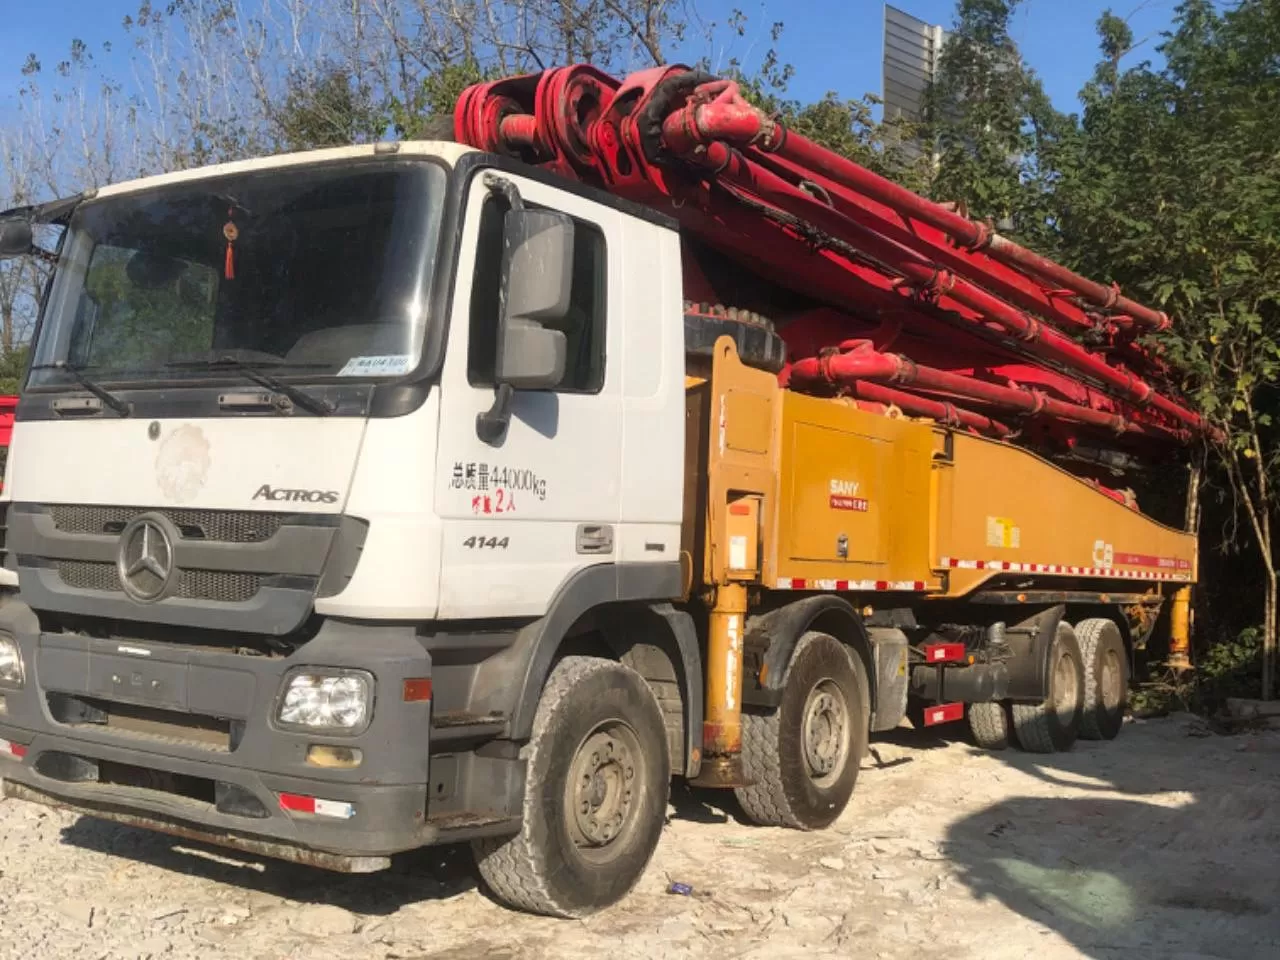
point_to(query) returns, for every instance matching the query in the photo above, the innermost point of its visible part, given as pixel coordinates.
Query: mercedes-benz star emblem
(145, 560)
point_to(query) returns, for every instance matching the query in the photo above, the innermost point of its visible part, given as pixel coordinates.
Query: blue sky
(834, 44)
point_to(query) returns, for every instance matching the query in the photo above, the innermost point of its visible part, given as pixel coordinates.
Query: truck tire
(595, 796)
(804, 756)
(989, 724)
(1053, 725)
(1106, 678)
(757, 342)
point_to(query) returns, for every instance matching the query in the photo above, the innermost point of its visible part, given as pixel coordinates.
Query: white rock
(77, 911)
(831, 863)
(323, 920)
(152, 948)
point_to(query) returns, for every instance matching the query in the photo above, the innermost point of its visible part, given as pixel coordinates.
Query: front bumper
(164, 769)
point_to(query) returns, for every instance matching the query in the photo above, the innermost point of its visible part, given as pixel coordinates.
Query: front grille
(220, 585)
(222, 526)
(84, 575)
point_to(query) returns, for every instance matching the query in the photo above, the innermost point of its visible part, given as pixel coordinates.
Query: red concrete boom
(845, 262)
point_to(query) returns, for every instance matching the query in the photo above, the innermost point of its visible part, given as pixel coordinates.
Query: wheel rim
(1066, 691)
(602, 799)
(825, 732)
(1111, 682)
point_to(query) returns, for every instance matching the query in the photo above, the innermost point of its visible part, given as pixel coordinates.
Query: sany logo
(844, 496)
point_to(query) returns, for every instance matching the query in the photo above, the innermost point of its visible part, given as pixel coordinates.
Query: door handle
(595, 538)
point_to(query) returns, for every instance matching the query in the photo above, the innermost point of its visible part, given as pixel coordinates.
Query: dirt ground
(1164, 844)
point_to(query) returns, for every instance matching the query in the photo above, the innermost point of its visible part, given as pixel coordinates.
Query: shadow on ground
(430, 874)
(1117, 875)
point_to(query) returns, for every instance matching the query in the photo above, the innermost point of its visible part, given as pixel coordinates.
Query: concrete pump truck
(409, 493)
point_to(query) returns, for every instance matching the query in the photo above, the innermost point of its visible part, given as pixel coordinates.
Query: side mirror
(530, 357)
(15, 238)
(537, 279)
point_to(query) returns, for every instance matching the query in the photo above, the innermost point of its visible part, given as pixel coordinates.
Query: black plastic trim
(1031, 642)
(781, 629)
(511, 681)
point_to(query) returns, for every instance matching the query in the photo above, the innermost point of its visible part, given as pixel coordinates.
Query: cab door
(520, 515)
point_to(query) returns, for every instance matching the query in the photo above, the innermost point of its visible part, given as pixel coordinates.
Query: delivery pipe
(718, 112)
(920, 276)
(862, 362)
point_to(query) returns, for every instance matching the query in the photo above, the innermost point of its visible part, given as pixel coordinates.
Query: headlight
(10, 662)
(322, 700)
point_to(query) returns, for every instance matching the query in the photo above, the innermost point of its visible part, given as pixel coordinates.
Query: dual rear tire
(1088, 684)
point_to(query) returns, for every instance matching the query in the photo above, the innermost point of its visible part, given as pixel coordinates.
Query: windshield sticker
(387, 366)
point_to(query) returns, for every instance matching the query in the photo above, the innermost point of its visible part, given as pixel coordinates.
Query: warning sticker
(1146, 560)
(391, 365)
(1003, 532)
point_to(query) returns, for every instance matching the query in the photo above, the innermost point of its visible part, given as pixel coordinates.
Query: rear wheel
(595, 796)
(990, 725)
(1106, 678)
(804, 756)
(1054, 724)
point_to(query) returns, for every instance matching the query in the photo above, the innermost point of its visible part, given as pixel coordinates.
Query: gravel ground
(1164, 844)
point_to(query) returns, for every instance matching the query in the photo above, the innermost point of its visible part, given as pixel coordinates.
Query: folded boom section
(879, 294)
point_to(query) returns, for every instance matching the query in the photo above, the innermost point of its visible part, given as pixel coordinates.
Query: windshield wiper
(309, 402)
(106, 396)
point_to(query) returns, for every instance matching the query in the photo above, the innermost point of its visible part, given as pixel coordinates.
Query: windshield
(311, 272)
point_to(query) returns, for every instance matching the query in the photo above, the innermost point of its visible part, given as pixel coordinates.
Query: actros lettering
(267, 492)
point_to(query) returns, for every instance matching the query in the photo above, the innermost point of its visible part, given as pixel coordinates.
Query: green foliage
(13, 366)
(1169, 187)
(328, 110)
(428, 113)
(1231, 668)
(1227, 667)
(991, 124)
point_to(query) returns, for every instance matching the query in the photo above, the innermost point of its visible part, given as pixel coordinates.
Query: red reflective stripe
(943, 713)
(944, 652)
(297, 803)
(1110, 573)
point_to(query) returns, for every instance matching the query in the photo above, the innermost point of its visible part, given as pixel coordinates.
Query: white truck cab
(321, 459)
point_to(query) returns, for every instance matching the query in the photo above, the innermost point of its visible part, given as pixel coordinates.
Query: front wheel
(595, 796)
(804, 756)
